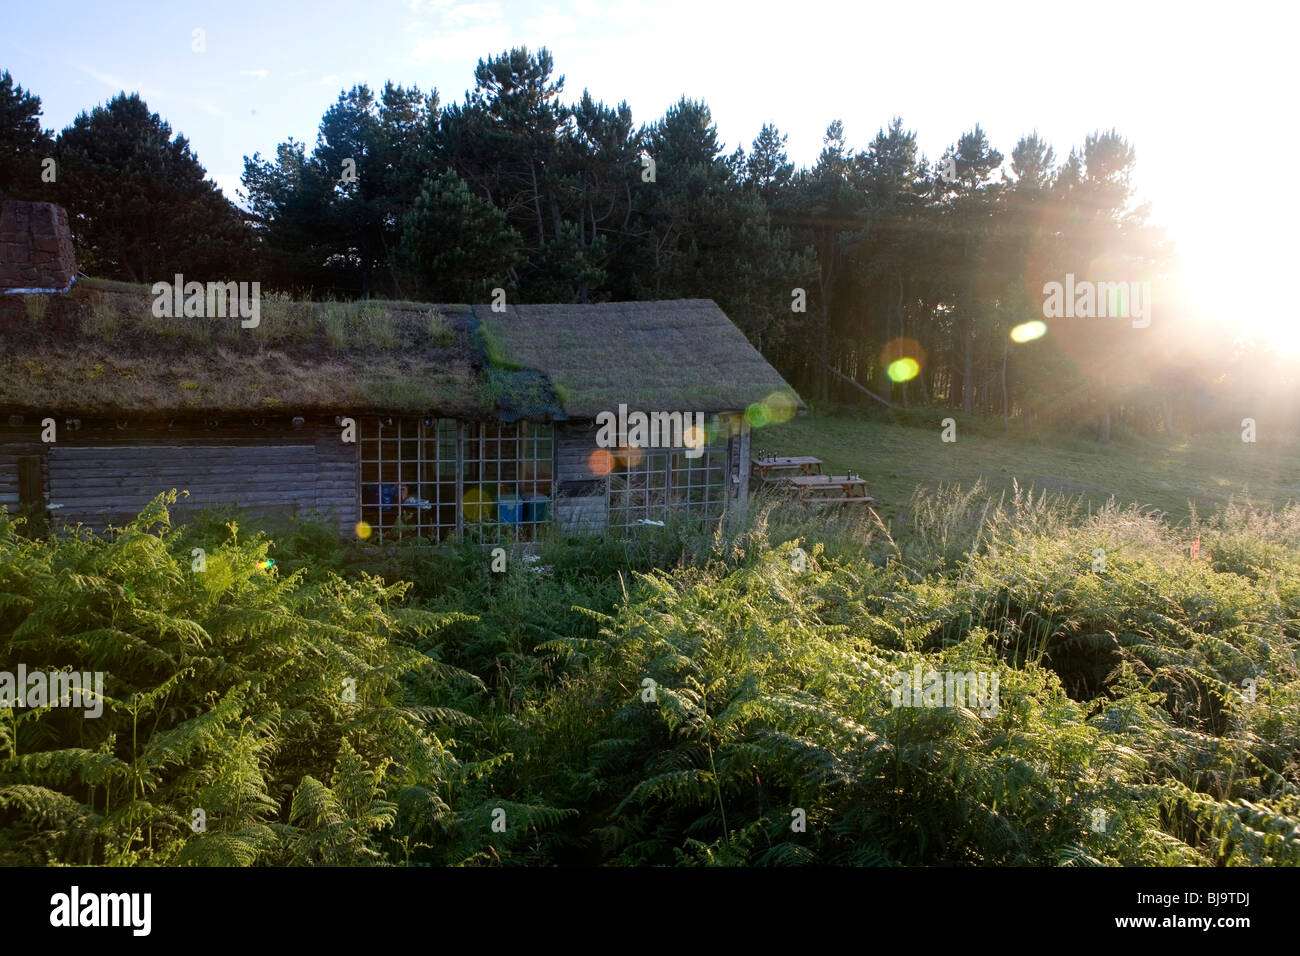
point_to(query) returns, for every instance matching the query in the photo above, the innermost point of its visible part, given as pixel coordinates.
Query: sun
(1229, 270)
(1283, 334)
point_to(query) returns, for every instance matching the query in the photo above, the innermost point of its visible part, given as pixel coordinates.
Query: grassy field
(1170, 474)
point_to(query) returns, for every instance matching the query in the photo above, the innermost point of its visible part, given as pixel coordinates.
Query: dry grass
(101, 349)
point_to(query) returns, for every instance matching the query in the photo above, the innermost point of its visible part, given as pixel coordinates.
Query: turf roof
(99, 350)
(680, 355)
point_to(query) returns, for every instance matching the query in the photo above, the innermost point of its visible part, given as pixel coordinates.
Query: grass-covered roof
(680, 355)
(100, 350)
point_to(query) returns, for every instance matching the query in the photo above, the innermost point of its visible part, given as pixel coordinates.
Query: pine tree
(23, 144)
(140, 203)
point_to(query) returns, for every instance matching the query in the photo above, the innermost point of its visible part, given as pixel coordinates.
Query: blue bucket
(510, 509)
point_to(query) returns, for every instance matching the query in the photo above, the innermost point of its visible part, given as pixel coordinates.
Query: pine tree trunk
(537, 207)
(1006, 421)
(824, 353)
(968, 386)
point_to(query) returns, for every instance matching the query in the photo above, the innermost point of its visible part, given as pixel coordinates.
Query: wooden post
(31, 483)
(460, 480)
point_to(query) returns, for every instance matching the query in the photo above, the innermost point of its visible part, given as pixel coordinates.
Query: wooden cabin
(390, 419)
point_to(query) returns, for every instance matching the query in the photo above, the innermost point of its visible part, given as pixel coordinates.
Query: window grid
(410, 469)
(508, 479)
(646, 485)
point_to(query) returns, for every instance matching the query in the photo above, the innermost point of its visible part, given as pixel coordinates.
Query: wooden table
(804, 464)
(814, 489)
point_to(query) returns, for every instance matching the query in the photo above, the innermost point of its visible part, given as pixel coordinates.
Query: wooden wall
(11, 455)
(100, 474)
(581, 494)
(106, 472)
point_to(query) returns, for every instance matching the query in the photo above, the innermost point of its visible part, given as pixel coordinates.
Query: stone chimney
(35, 247)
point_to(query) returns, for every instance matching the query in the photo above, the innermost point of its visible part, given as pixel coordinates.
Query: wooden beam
(31, 485)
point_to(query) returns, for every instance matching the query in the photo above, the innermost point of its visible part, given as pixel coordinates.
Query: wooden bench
(764, 468)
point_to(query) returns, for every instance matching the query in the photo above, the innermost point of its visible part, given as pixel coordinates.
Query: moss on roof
(681, 355)
(100, 349)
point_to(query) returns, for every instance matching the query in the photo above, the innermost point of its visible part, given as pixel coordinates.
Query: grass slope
(1161, 472)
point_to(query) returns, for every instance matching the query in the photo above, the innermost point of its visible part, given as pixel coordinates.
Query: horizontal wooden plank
(172, 464)
(172, 478)
(302, 490)
(78, 448)
(114, 463)
(136, 502)
(201, 478)
(137, 435)
(206, 453)
(172, 470)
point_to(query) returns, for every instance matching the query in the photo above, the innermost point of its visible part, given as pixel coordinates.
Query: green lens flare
(903, 370)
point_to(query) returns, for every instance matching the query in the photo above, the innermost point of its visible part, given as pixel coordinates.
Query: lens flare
(781, 406)
(363, 530)
(630, 456)
(903, 359)
(903, 370)
(600, 461)
(1029, 331)
(758, 415)
(266, 565)
(693, 437)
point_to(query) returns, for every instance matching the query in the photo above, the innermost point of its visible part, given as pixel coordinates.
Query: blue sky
(1199, 90)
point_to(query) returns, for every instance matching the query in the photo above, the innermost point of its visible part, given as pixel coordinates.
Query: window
(409, 483)
(638, 486)
(408, 477)
(647, 483)
(697, 485)
(508, 479)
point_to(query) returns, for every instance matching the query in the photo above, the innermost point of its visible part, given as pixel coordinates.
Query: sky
(1203, 92)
